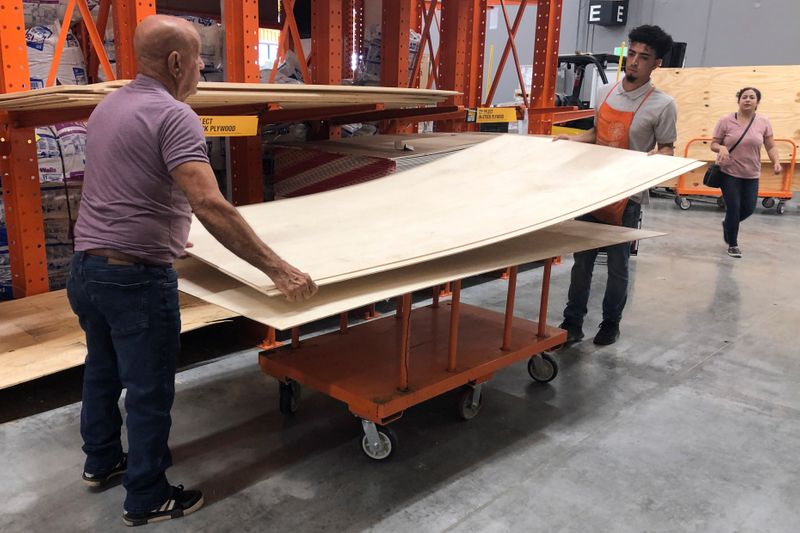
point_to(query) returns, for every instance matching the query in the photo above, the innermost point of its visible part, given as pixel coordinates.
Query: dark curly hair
(740, 92)
(652, 36)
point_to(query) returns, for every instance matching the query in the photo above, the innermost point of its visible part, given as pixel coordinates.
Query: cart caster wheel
(289, 397)
(721, 202)
(542, 368)
(683, 202)
(781, 208)
(470, 401)
(378, 442)
(769, 203)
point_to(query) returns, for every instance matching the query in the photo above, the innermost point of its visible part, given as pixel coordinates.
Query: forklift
(578, 63)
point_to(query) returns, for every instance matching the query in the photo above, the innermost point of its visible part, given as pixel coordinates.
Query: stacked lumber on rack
(370, 235)
(40, 335)
(311, 167)
(216, 94)
(704, 95)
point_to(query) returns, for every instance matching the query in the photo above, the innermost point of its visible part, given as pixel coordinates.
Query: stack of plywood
(310, 167)
(704, 95)
(477, 209)
(216, 94)
(40, 335)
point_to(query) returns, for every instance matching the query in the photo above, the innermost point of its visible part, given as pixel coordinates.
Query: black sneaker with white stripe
(181, 503)
(103, 480)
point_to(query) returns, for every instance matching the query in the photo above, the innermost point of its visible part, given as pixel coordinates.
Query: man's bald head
(167, 49)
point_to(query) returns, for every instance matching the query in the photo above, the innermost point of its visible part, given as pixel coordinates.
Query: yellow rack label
(229, 126)
(496, 114)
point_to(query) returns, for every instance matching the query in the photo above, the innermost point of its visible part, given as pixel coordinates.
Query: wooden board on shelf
(493, 191)
(39, 335)
(220, 94)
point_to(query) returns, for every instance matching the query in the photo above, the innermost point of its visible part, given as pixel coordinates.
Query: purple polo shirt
(135, 137)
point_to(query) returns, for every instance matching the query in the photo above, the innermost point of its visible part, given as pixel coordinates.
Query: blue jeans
(617, 285)
(131, 317)
(740, 197)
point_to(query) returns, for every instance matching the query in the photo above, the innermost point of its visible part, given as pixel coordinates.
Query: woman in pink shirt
(741, 168)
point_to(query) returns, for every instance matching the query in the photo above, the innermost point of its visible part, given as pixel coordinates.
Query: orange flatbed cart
(379, 370)
(690, 185)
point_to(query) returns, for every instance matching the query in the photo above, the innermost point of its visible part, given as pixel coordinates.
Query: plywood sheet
(489, 192)
(208, 283)
(39, 335)
(383, 146)
(704, 95)
(219, 94)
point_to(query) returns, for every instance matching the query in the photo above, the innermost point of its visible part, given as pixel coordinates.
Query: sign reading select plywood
(608, 12)
(229, 126)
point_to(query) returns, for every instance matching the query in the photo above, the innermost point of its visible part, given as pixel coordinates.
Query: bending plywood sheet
(496, 190)
(206, 282)
(39, 335)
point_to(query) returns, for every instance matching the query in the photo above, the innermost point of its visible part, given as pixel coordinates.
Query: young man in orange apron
(633, 115)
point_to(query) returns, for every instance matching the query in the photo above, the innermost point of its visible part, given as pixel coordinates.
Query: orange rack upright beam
(545, 65)
(127, 15)
(19, 168)
(460, 65)
(241, 65)
(327, 45)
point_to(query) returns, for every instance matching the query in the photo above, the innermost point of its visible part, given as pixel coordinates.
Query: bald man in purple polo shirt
(146, 171)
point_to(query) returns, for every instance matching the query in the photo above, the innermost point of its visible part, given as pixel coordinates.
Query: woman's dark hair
(652, 36)
(740, 92)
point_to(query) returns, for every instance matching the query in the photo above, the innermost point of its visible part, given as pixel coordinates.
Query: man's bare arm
(223, 221)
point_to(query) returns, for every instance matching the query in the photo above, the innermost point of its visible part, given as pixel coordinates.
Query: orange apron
(613, 129)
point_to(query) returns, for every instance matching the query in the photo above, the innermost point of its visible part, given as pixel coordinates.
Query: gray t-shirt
(135, 137)
(654, 122)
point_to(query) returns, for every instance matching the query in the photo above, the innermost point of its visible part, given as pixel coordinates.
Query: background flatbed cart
(773, 190)
(384, 366)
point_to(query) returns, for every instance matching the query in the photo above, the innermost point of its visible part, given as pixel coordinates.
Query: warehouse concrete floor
(691, 422)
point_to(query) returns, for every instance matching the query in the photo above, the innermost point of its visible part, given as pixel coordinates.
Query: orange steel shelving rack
(457, 64)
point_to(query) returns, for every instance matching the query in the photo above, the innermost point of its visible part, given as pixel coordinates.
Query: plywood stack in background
(40, 335)
(704, 95)
(309, 167)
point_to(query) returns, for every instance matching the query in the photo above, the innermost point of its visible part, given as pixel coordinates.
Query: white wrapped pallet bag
(72, 142)
(48, 153)
(211, 40)
(41, 41)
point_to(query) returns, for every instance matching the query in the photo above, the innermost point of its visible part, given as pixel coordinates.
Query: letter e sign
(608, 12)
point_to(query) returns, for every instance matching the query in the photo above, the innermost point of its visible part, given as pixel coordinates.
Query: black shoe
(724, 233)
(103, 479)
(181, 503)
(608, 334)
(574, 333)
(734, 251)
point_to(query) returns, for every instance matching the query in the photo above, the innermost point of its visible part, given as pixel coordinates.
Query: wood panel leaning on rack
(705, 94)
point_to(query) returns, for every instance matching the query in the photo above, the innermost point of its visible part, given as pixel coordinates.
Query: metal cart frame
(451, 350)
(686, 193)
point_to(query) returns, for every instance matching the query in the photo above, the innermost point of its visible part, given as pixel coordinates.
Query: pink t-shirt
(745, 161)
(135, 137)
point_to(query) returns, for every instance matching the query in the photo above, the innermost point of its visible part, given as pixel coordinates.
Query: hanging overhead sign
(608, 12)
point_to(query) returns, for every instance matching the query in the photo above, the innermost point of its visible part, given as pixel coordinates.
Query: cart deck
(360, 366)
